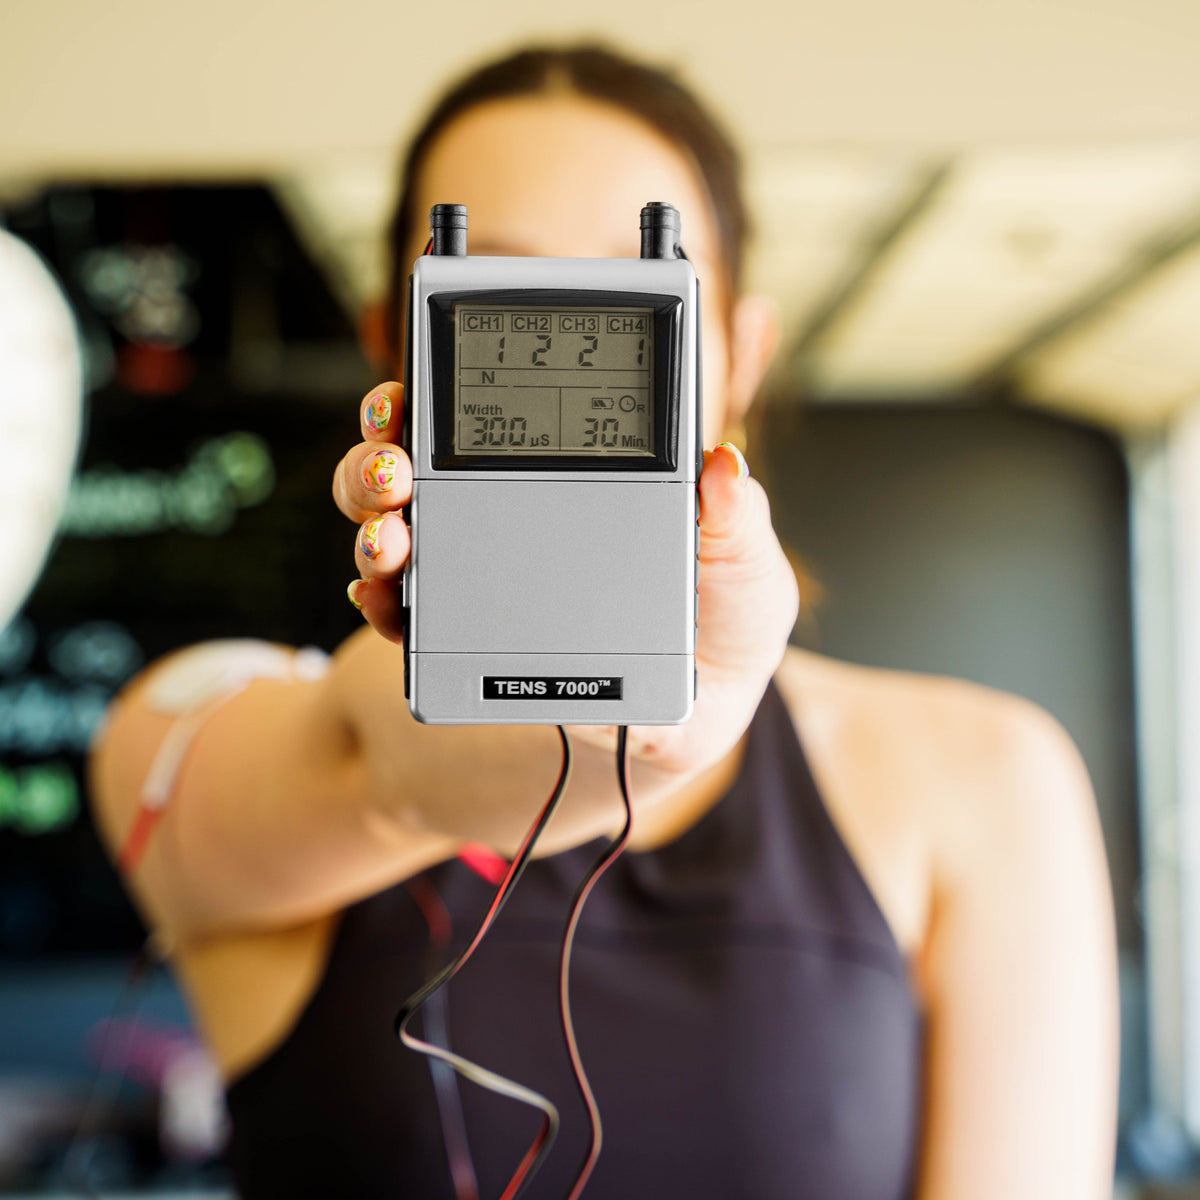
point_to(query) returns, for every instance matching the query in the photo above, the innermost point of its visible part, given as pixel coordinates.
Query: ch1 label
(551, 687)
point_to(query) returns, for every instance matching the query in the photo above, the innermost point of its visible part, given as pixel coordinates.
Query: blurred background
(982, 224)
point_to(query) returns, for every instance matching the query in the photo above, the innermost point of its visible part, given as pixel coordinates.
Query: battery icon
(602, 402)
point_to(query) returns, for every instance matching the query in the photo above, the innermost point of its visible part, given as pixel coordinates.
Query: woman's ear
(755, 329)
(372, 337)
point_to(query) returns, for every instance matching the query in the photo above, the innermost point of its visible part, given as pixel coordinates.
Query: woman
(862, 942)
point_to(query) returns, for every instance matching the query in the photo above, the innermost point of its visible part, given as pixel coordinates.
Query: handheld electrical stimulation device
(552, 415)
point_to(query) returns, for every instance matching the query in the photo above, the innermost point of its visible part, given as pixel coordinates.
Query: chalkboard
(223, 385)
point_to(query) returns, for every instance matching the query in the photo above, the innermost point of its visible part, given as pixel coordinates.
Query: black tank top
(742, 1008)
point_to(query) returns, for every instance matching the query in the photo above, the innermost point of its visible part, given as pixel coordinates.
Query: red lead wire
(607, 857)
(540, 1147)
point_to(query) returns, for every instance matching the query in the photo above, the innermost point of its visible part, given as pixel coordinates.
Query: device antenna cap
(660, 230)
(448, 224)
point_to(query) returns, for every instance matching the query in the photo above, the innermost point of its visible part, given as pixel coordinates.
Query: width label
(551, 687)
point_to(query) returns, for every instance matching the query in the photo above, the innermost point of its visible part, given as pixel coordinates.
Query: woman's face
(566, 176)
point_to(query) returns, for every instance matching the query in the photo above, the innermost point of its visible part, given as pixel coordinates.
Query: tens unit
(552, 415)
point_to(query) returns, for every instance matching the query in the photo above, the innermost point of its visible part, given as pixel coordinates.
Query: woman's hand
(749, 599)
(748, 592)
(371, 484)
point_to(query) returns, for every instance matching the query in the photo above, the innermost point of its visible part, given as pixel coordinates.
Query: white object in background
(193, 1123)
(41, 392)
(1156, 1138)
(1184, 474)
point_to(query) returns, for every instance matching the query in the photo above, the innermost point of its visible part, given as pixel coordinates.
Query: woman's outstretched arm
(297, 798)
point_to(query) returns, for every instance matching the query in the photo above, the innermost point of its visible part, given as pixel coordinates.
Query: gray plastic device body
(570, 576)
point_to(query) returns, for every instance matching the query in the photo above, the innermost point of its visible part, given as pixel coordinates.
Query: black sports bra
(741, 1005)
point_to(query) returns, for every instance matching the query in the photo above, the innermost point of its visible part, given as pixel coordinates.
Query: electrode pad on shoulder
(552, 415)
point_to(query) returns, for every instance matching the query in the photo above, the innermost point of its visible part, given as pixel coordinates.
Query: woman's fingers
(382, 547)
(725, 502)
(379, 602)
(372, 481)
(381, 411)
(380, 553)
(372, 478)
(748, 592)
(376, 475)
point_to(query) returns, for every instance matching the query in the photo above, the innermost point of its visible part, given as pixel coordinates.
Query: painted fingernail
(368, 538)
(379, 471)
(352, 592)
(379, 413)
(743, 470)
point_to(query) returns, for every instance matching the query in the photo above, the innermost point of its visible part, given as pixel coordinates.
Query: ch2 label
(552, 687)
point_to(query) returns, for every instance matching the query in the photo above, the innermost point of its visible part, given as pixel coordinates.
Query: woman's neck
(673, 817)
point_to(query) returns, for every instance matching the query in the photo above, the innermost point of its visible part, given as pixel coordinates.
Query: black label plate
(552, 687)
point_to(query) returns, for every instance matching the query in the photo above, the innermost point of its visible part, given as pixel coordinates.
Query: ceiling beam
(865, 268)
(1137, 272)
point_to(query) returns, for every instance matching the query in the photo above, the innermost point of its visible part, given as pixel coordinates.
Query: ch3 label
(551, 687)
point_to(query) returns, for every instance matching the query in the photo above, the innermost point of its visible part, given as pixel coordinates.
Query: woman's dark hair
(651, 94)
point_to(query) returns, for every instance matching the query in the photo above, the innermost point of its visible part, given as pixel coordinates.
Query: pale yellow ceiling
(950, 192)
(243, 84)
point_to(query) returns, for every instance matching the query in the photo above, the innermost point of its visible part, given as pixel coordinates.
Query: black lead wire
(110, 1070)
(606, 858)
(491, 1080)
(540, 1148)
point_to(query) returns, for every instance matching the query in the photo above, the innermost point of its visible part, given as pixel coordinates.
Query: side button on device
(405, 614)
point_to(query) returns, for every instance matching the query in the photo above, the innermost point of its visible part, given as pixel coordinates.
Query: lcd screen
(538, 380)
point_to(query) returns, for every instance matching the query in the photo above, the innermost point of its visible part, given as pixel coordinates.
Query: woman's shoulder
(933, 781)
(931, 722)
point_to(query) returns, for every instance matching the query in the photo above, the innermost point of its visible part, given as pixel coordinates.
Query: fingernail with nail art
(379, 471)
(352, 592)
(743, 469)
(379, 413)
(368, 538)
